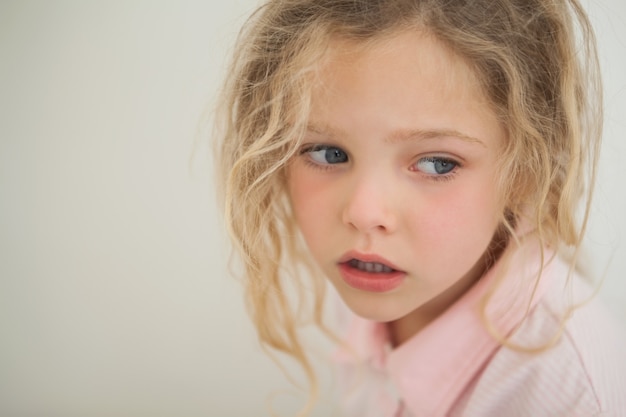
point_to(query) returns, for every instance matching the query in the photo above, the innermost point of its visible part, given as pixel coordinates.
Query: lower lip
(370, 281)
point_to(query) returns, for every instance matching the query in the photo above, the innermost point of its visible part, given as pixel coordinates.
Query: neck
(406, 327)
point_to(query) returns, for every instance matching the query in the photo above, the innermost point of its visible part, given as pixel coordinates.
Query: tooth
(374, 267)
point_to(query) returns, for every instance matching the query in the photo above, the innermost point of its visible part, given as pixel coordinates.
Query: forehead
(407, 54)
(408, 80)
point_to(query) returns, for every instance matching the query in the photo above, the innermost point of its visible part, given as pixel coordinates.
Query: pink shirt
(453, 367)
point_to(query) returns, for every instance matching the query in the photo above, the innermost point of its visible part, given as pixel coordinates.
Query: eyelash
(441, 177)
(307, 149)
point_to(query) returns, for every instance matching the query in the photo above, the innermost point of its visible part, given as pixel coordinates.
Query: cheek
(463, 219)
(307, 198)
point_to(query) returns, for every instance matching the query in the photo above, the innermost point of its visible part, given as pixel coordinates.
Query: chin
(376, 310)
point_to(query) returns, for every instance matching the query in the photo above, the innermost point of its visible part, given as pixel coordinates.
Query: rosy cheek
(454, 207)
(304, 193)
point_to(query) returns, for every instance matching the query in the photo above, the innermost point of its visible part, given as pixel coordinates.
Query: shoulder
(583, 374)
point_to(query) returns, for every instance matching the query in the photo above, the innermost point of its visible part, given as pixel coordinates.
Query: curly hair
(536, 63)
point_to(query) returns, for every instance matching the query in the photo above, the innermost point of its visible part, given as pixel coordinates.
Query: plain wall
(114, 294)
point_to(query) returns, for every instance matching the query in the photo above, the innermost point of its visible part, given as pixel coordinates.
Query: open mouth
(374, 267)
(374, 274)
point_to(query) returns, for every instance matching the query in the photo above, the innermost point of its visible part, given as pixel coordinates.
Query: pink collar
(433, 368)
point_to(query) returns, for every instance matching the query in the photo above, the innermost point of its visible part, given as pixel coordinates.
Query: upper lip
(367, 257)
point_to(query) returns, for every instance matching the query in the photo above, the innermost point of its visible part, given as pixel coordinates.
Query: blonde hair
(535, 60)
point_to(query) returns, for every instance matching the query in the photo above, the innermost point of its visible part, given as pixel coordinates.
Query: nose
(369, 205)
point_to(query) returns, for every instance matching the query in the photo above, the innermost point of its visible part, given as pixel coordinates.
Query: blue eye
(436, 165)
(326, 155)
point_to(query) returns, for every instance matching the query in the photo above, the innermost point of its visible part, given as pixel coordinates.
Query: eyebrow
(424, 134)
(402, 135)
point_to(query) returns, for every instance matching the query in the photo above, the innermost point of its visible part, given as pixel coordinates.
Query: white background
(114, 295)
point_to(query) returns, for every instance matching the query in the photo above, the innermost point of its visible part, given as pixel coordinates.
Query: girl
(433, 156)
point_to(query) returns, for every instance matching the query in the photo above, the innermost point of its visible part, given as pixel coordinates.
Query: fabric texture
(455, 367)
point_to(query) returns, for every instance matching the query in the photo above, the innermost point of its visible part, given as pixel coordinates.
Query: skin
(399, 162)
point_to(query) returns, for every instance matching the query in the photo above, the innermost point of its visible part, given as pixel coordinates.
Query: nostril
(369, 216)
(368, 204)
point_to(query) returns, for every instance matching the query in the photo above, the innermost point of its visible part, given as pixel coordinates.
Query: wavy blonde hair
(536, 62)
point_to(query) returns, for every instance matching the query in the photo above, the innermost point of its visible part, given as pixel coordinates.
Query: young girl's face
(394, 185)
